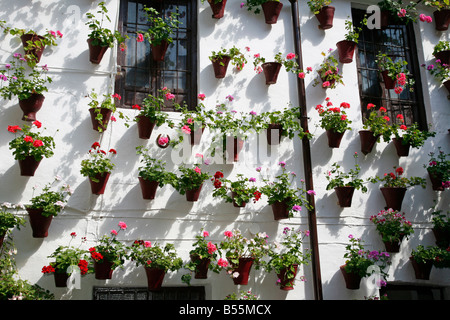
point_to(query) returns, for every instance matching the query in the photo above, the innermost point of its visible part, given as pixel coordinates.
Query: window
(139, 74)
(166, 293)
(398, 42)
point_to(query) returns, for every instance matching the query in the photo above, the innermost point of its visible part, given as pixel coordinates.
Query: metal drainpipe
(306, 148)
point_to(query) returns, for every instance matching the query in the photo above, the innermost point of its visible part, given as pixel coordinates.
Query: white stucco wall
(169, 218)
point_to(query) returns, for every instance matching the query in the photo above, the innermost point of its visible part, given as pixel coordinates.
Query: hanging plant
(329, 73)
(346, 48)
(438, 169)
(220, 60)
(102, 111)
(335, 121)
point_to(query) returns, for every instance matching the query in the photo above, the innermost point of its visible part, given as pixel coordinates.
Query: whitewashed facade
(170, 218)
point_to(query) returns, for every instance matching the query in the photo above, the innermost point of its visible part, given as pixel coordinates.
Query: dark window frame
(157, 69)
(412, 109)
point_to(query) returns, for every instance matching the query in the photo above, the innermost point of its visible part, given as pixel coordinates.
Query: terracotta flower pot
(145, 127)
(96, 52)
(220, 66)
(442, 19)
(39, 223)
(447, 85)
(271, 10)
(389, 83)
(36, 52)
(218, 9)
(280, 210)
(346, 50)
(393, 197)
(237, 144)
(368, 140)
(193, 194)
(31, 106)
(422, 270)
(99, 187)
(442, 237)
(103, 270)
(277, 130)
(201, 271)
(345, 195)
(393, 246)
(159, 50)
(196, 136)
(352, 280)
(148, 188)
(444, 56)
(325, 17)
(60, 279)
(436, 181)
(243, 269)
(28, 166)
(242, 205)
(271, 71)
(402, 149)
(285, 283)
(155, 278)
(102, 125)
(334, 138)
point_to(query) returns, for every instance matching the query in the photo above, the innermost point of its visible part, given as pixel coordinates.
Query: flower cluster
(334, 118)
(336, 178)
(98, 162)
(237, 58)
(329, 72)
(378, 122)
(439, 166)
(358, 259)
(396, 180)
(241, 191)
(397, 71)
(288, 62)
(392, 225)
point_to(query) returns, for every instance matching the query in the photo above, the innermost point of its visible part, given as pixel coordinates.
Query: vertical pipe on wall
(306, 148)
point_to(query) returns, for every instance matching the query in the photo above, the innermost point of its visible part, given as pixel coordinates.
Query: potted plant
(190, 182)
(30, 147)
(395, 186)
(152, 174)
(442, 52)
(406, 137)
(335, 121)
(441, 13)
(33, 43)
(101, 38)
(282, 196)
(270, 8)
(358, 262)
(441, 72)
(217, 7)
(242, 253)
(222, 58)
(283, 123)
(159, 34)
(441, 228)
(156, 259)
(422, 261)
(393, 227)
(230, 129)
(98, 167)
(329, 73)
(376, 126)
(323, 12)
(9, 220)
(202, 258)
(68, 259)
(27, 85)
(151, 114)
(239, 192)
(272, 69)
(101, 112)
(45, 206)
(438, 169)
(395, 75)
(193, 123)
(344, 184)
(243, 295)
(108, 254)
(287, 256)
(346, 47)
(403, 11)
